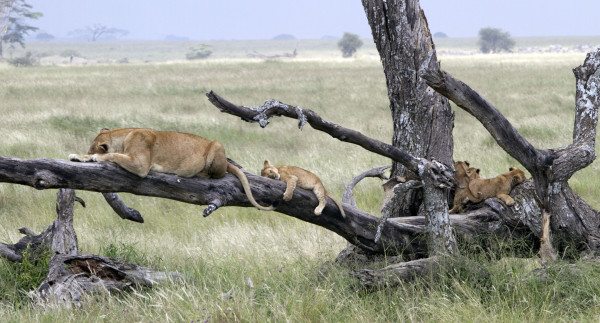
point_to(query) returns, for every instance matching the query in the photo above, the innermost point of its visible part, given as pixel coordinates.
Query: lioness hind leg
(215, 165)
(320, 193)
(506, 199)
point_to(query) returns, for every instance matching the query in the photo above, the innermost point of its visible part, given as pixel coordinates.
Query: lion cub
(499, 186)
(463, 175)
(295, 176)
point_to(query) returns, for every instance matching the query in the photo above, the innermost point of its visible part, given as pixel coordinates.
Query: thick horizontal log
(402, 235)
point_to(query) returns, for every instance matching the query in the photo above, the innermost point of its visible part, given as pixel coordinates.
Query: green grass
(52, 111)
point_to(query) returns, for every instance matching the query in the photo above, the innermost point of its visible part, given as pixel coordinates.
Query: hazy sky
(263, 19)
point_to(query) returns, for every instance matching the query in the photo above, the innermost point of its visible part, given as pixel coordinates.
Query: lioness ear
(511, 169)
(103, 147)
(104, 130)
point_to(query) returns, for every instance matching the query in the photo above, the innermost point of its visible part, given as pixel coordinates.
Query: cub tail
(246, 185)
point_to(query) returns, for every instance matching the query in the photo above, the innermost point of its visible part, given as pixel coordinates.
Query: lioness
(463, 174)
(139, 150)
(295, 176)
(499, 186)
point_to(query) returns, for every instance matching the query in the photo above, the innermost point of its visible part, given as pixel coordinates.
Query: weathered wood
(437, 176)
(359, 228)
(122, 210)
(348, 196)
(395, 274)
(574, 222)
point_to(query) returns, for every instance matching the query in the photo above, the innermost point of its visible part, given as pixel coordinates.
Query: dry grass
(51, 111)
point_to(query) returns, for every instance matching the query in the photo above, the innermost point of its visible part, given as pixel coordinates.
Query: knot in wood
(44, 179)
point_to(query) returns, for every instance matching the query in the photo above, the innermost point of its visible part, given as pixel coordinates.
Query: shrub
(69, 53)
(200, 52)
(440, 34)
(349, 44)
(26, 60)
(494, 40)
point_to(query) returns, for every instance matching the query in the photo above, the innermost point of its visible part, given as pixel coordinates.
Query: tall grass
(51, 111)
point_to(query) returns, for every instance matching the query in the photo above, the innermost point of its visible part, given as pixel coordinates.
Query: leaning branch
(498, 126)
(273, 108)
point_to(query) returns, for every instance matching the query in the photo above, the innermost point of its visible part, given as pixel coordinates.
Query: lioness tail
(246, 185)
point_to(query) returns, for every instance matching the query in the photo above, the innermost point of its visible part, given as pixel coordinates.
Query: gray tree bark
(573, 221)
(422, 119)
(436, 177)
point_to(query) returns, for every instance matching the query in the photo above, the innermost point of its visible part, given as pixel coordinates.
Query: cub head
(100, 143)
(517, 175)
(463, 173)
(473, 173)
(269, 171)
(460, 168)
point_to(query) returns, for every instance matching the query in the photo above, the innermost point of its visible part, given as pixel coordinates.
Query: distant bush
(26, 60)
(284, 37)
(349, 44)
(44, 37)
(494, 40)
(200, 52)
(440, 34)
(70, 53)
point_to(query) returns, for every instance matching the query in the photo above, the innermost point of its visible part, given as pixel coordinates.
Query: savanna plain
(241, 264)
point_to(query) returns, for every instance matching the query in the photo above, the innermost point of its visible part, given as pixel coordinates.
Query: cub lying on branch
(472, 188)
(499, 186)
(295, 176)
(139, 150)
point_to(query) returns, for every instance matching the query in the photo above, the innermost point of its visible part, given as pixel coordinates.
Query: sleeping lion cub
(140, 150)
(499, 186)
(295, 176)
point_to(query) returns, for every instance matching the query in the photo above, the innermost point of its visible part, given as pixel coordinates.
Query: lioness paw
(75, 158)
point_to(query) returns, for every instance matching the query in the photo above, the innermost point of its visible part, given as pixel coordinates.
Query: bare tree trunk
(422, 119)
(574, 222)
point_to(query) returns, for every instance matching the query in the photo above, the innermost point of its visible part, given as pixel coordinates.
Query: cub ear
(103, 130)
(467, 163)
(266, 163)
(477, 170)
(510, 169)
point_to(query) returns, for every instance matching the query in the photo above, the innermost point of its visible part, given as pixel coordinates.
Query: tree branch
(406, 236)
(498, 126)
(272, 108)
(348, 197)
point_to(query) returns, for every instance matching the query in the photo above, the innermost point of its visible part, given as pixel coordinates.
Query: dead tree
(422, 119)
(72, 275)
(572, 220)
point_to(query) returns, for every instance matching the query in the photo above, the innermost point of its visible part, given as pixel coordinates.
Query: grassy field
(51, 111)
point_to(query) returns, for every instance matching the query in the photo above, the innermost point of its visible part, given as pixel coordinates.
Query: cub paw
(287, 197)
(509, 201)
(318, 211)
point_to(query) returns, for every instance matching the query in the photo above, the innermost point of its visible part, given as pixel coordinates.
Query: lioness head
(269, 171)
(100, 143)
(517, 175)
